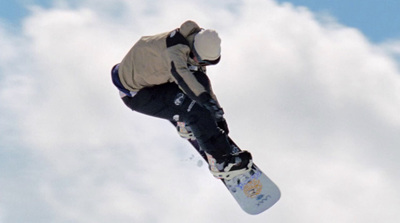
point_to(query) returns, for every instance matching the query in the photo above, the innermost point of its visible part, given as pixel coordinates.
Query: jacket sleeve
(178, 51)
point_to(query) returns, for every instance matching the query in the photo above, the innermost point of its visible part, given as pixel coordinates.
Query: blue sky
(378, 20)
(315, 102)
(14, 11)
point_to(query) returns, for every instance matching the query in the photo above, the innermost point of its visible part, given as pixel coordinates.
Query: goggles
(195, 56)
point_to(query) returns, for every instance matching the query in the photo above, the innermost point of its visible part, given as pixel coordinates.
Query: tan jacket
(160, 59)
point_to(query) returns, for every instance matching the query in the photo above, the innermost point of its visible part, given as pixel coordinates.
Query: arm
(196, 85)
(210, 101)
(178, 51)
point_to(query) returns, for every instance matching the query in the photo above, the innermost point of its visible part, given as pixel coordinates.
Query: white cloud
(314, 101)
(1, 214)
(392, 47)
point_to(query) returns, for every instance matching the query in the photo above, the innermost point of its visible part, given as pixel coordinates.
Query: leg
(167, 100)
(205, 129)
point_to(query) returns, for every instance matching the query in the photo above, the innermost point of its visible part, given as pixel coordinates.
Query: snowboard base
(253, 191)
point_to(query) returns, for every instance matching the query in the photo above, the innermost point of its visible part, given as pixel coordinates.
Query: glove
(223, 125)
(212, 106)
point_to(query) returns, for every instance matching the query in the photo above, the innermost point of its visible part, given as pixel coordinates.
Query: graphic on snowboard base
(253, 191)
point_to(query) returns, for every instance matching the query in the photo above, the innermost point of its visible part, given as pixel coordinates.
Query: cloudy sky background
(314, 97)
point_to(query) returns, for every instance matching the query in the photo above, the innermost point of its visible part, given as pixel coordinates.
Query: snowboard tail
(254, 191)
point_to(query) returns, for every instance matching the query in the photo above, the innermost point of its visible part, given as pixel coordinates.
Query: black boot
(231, 165)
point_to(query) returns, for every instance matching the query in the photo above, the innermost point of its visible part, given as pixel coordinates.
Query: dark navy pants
(168, 102)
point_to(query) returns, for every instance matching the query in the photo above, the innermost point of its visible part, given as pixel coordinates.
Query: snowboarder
(164, 76)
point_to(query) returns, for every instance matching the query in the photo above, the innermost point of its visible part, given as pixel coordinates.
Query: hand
(212, 106)
(215, 110)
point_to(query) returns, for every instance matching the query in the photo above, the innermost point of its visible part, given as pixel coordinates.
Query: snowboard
(254, 191)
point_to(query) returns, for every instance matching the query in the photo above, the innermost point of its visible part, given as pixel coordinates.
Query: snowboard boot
(230, 165)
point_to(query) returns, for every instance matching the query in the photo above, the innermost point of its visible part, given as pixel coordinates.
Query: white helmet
(207, 46)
